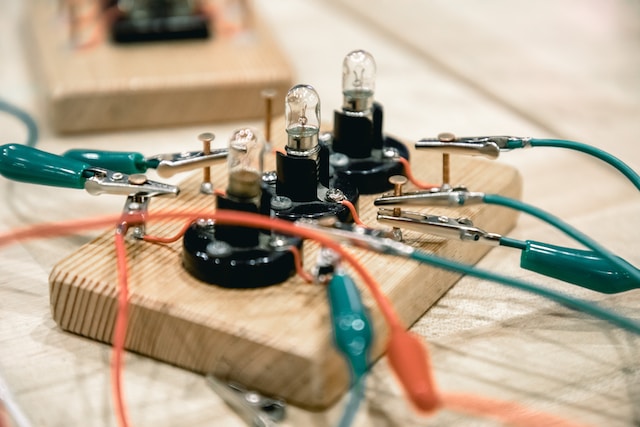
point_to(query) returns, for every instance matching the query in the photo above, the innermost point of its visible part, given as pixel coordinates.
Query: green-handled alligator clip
(580, 267)
(350, 320)
(166, 165)
(30, 165)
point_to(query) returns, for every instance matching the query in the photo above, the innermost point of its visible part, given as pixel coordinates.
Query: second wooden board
(110, 86)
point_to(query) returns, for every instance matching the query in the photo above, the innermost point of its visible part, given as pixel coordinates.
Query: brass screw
(268, 95)
(446, 169)
(206, 187)
(446, 137)
(137, 179)
(398, 181)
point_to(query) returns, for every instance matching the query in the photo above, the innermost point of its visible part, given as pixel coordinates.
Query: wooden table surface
(566, 69)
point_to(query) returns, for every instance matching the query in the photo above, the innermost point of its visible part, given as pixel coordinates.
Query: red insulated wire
(354, 213)
(412, 178)
(407, 353)
(120, 328)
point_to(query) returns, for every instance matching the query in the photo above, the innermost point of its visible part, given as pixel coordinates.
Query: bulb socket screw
(206, 138)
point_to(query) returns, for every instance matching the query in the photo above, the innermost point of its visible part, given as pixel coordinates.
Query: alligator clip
(255, 409)
(443, 196)
(487, 146)
(381, 241)
(101, 181)
(168, 165)
(438, 225)
(132, 162)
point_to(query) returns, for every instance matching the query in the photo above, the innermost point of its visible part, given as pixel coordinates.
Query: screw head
(335, 195)
(204, 223)
(268, 93)
(398, 180)
(326, 137)
(280, 203)
(446, 137)
(269, 177)
(206, 188)
(390, 153)
(137, 179)
(138, 232)
(206, 137)
(278, 241)
(339, 160)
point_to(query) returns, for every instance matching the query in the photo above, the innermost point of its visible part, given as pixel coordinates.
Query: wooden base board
(276, 339)
(109, 87)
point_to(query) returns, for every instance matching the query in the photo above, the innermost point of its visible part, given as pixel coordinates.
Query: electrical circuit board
(276, 339)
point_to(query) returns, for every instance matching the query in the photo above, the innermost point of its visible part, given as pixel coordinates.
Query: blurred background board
(109, 86)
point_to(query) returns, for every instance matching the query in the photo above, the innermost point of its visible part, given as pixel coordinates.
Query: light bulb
(302, 111)
(358, 81)
(246, 148)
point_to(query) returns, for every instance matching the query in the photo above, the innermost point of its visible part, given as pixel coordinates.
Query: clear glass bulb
(245, 161)
(302, 112)
(358, 81)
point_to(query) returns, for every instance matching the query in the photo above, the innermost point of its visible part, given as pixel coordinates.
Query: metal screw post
(335, 195)
(398, 181)
(446, 137)
(206, 187)
(268, 95)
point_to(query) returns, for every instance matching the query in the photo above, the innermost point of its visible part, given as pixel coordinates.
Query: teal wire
(575, 234)
(593, 151)
(513, 243)
(356, 396)
(25, 118)
(563, 299)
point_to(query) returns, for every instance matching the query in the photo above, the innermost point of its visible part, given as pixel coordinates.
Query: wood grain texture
(276, 339)
(108, 86)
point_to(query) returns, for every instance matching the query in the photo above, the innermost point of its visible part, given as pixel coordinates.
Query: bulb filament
(302, 120)
(358, 78)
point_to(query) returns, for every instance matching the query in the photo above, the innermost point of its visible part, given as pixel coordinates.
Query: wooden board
(109, 86)
(276, 339)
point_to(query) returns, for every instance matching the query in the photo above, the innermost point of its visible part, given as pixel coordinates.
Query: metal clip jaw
(101, 181)
(487, 146)
(456, 196)
(376, 240)
(254, 408)
(439, 225)
(168, 165)
(135, 214)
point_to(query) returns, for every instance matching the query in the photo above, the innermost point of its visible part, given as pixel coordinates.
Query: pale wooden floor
(568, 68)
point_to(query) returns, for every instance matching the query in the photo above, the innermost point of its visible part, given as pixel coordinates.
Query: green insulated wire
(563, 299)
(356, 396)
(352, 335)
(584, 148)
(25, 118)
(554, 221)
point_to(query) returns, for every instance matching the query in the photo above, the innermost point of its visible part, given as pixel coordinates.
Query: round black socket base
(371, 174)
(319, 208)
(239, 267)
